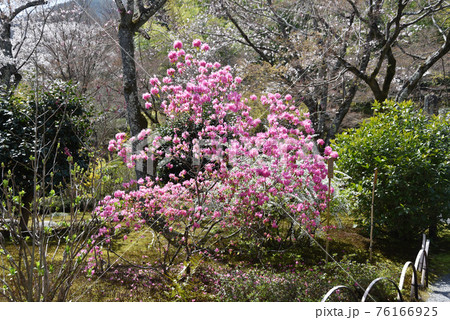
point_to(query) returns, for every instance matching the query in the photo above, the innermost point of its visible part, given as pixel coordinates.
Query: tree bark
(431, 104)
(133, 16)
(342, 112)
(9, 75)
(135, 118)
(432, 228)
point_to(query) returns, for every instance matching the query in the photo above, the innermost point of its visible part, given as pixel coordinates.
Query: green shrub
(40, 130)
(43, 138)
(412, 154)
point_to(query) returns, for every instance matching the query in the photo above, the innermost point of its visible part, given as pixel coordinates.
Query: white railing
(420, 265)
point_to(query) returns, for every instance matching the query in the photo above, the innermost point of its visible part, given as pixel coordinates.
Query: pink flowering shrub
(220, 171)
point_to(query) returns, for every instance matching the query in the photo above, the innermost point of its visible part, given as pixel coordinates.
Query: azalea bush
(220, 173)
(411, 151)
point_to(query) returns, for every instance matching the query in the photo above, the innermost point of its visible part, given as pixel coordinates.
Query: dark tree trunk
(432, 228)
(323, 96)
(135, 118)
(133, 15)
(9, 75)
(342, 112)
(431, 104)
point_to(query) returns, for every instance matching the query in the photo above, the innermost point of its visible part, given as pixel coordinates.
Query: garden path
(440, 290)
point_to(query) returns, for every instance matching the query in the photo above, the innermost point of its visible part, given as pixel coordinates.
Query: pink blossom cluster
(123, 147)
(245, 173)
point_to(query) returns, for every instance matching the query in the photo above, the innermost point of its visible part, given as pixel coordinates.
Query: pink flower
(67, 152)
(197, 43)
(154, 91)
(253, 152)
(155, 82)
(177, 45)
(119, 194)
(264, 100)
(264, 172)
(173, 56)
(170, 72)
(205, 47)
(320, 142)
(120, 135)
(143, 134)
(277, 164)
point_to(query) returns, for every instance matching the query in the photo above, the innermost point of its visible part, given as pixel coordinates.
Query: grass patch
(296, 274)
(440, 254)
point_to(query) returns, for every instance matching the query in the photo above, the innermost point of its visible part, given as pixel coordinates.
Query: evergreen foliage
(412, 153)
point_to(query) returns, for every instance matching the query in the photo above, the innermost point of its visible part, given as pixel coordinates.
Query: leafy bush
(42, 135)
(412, 154)
(47, 127)
(104, 177)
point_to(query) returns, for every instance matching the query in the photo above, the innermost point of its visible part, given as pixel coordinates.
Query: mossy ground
(123, 280)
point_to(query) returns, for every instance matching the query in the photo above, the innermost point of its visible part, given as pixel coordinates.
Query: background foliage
(412, 153)
(49, 127)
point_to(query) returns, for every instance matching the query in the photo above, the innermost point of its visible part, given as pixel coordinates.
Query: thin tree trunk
(342, 112)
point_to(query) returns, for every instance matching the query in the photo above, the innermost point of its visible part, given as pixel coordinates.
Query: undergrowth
(294, 274)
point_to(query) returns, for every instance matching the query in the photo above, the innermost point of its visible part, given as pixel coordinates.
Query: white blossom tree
(76, 47)
(12, 11)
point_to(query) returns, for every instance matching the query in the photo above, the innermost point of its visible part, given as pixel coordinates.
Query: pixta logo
(152, 151)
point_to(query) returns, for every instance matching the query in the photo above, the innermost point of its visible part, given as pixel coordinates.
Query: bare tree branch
(244, 35)
(414, 79)
(27, 6)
